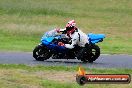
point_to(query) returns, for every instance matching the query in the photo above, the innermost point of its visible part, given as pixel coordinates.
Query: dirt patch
(61, 76)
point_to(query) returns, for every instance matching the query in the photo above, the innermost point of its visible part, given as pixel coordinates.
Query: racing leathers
(82, 40)
(77, 38)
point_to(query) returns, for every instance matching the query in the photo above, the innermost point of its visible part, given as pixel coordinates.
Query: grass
(23, 76)
(63, 68)
(23, 22)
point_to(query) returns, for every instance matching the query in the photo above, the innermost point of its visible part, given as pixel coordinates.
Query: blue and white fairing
(47, 40)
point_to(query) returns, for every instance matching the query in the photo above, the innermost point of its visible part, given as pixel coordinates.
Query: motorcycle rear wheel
(90, 57)
(41, 53)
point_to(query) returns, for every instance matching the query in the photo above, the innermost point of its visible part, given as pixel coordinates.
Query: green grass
(23, 22)
(23, 76)
(64, 68)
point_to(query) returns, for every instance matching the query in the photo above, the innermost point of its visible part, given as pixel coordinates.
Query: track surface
(104, 61)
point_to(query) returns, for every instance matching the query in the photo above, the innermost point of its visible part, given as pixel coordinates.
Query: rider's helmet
(71, 27)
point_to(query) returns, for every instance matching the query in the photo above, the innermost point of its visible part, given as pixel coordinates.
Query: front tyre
(41, 53)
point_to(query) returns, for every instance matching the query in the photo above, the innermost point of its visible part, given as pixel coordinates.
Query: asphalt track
(104, 61)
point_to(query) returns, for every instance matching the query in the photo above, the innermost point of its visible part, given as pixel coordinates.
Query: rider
(77, 37)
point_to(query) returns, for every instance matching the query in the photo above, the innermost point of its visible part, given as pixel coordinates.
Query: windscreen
(51, 33)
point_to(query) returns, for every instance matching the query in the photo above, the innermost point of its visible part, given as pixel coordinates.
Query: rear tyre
(95, 52)
(92, 55)
(41, 53)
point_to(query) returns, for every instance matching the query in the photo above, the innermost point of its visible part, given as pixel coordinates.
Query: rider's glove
(57, 30)
(61, 44)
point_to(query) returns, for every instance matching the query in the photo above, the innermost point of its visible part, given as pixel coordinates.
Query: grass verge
(23, 76)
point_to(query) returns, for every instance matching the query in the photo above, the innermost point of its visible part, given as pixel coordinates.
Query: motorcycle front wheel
(41, 53)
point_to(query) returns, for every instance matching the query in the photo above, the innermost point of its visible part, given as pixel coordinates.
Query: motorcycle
(49, 48)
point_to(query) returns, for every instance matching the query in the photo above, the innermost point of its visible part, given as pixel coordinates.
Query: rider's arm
(74, 41)
(57, 31)
(62, 30)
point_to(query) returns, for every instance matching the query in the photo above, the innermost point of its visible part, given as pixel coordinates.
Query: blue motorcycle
(49, 48)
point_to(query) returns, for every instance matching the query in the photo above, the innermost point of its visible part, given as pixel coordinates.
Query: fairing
(47, 41)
